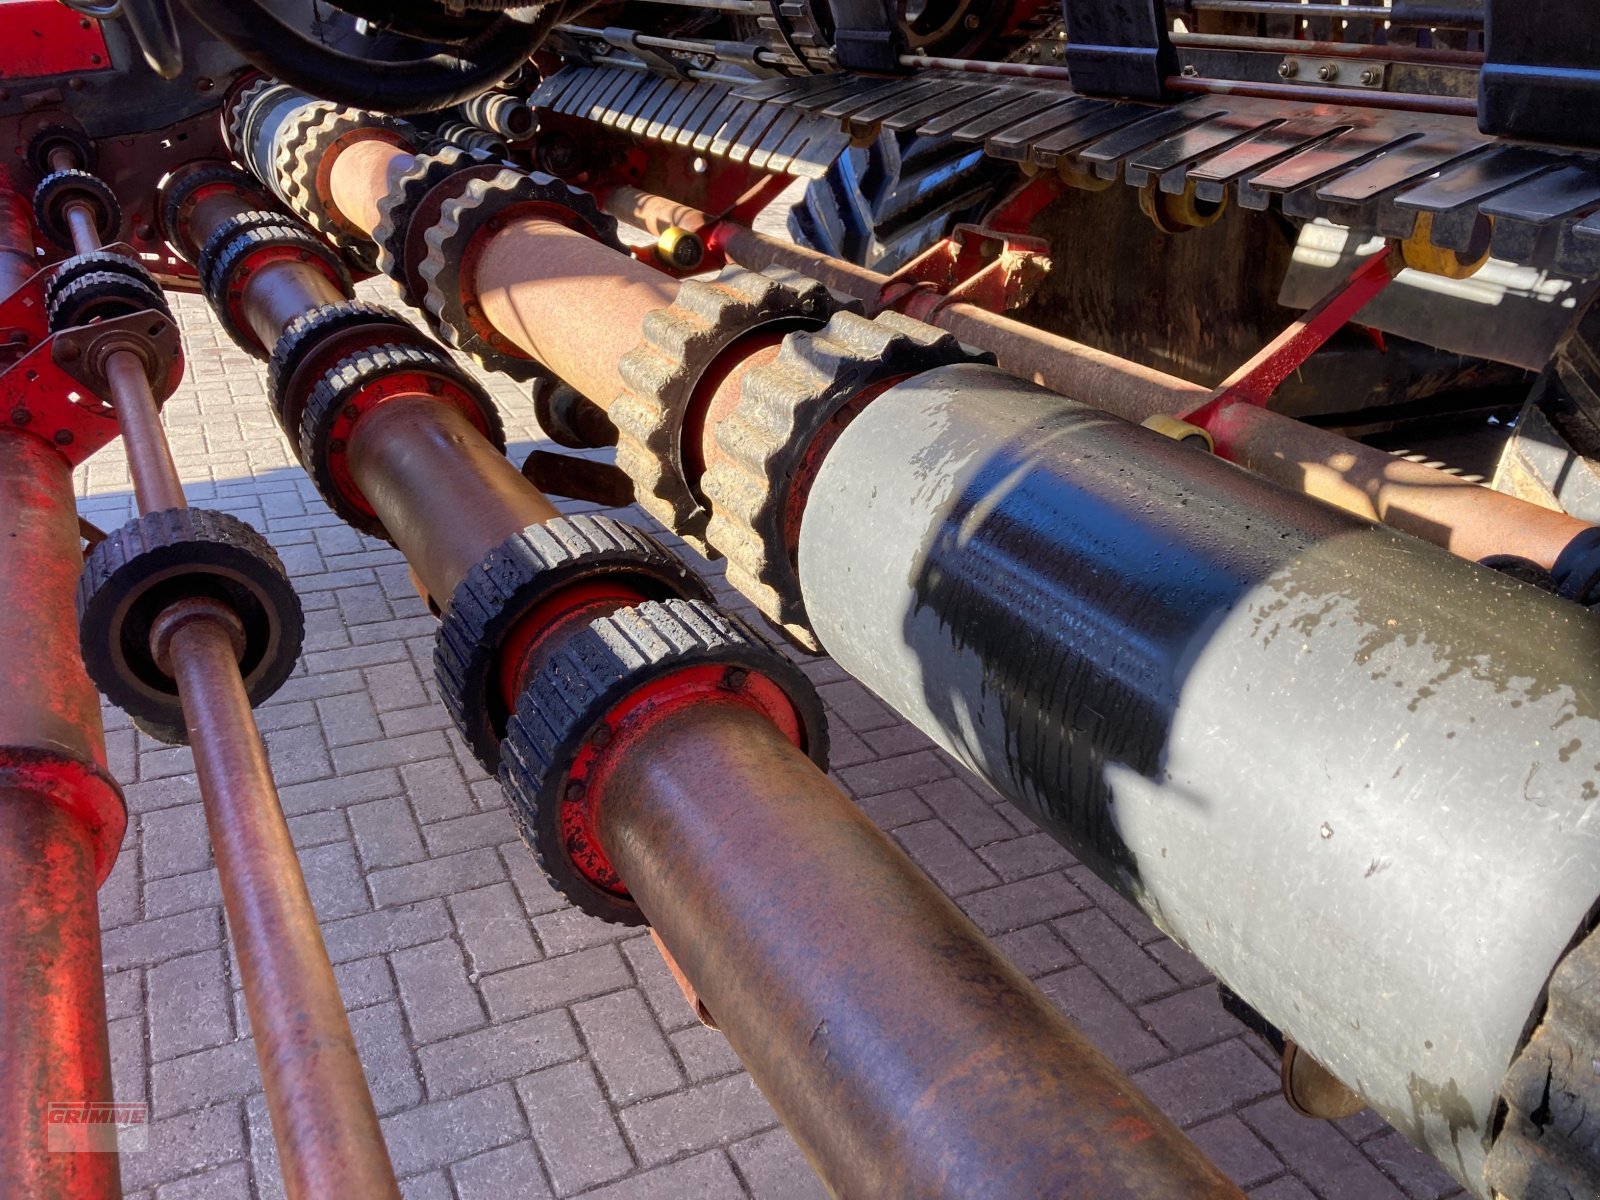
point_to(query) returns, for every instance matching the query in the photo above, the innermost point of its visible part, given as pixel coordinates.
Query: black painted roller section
(1356, 776)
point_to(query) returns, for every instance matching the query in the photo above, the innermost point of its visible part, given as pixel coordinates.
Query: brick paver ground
(516, 1048)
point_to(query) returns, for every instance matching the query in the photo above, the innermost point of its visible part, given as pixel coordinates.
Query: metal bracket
(23, 315)
(1335, 72)
(995, 266)
(53, 391)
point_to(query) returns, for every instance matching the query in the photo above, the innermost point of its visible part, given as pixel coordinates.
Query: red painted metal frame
(46, 38)
(1256, 380)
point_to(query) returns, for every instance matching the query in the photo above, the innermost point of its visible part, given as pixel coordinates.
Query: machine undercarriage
(1187, 415)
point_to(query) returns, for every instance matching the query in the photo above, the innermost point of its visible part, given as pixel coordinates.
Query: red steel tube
(904, 1053)
(323, 1118)
(53, 1046)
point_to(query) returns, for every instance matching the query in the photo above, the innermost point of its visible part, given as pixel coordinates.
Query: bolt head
(1327, 72)
(1288, 69)
(1369, 76)
(20, 415)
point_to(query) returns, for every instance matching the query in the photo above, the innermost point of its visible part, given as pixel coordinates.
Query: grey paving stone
(627, 1047)
(498, 1052)
(334, 880)
(436, 1134)
(190, 1006)
(959, 804)
(511, 1173)
(386, 833)
(774, 1168)
(125, 994)
(185, 1145)
(660, 989)
(231, 1182)
(174, 841)
(154, 941)
(1417, 1174)
(1191, 1019)
(119, 895)
(568, 929)
(944, 857)
(349, 720)
(386, 1057)
(1243, 1156)
(494, 929)
(126, 1038)
(182, 893)
(555, 981)
(437, 789)
(364, 982)
(1320, 1154)
(892, 809)
(386, 930)
(1036, 950)
(573, 1127)
(705, 1115)
(318, 829)
(1023, 857)
(470, 832)
(1285, 1187)
(703, 1177)
(433, 983)
(1103, 1018)
(705, 1053)
(1115, 957)
(1209, 1082)
(436, 877)
(1017, 905)
(204, 1078)
(887, 775)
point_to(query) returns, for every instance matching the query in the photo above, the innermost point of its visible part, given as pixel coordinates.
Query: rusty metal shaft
(323, 1118)
(156, 484)
(444, 494)
(276, 293)
(573, 303)
(53, 1046)
(1468, 520)
(904, 1053)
